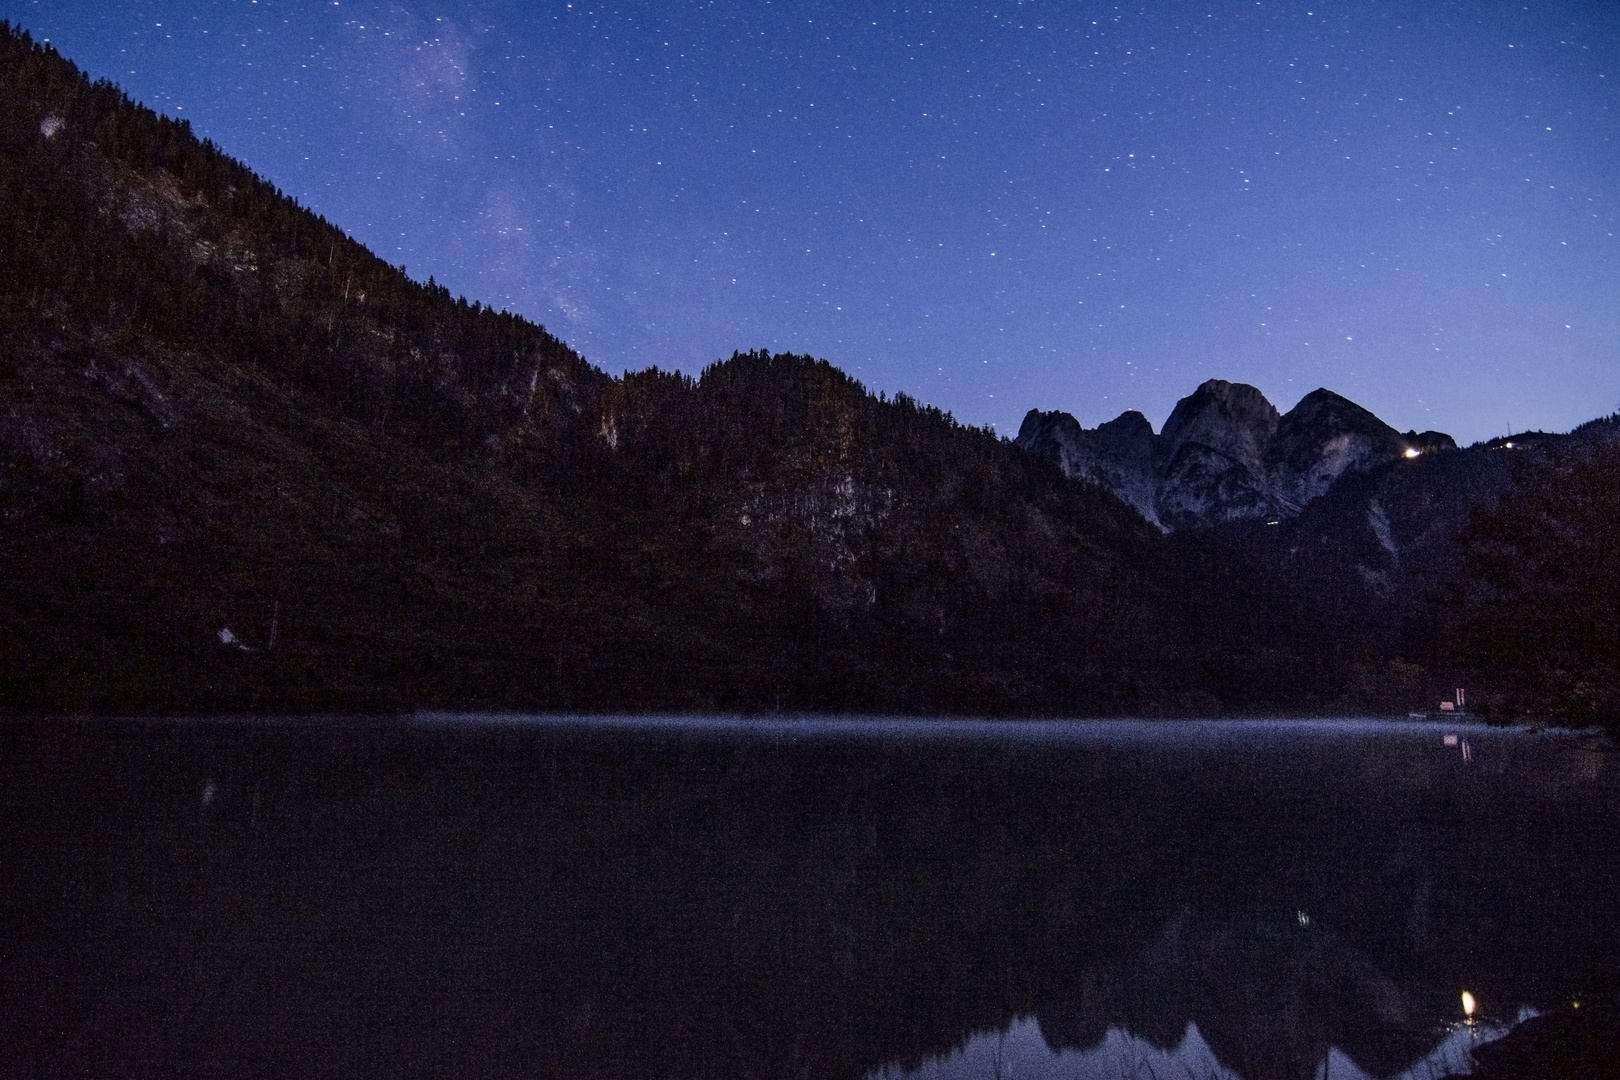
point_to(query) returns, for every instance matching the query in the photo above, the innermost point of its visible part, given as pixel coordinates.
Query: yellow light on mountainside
(1412, 451)
(1469, 1004)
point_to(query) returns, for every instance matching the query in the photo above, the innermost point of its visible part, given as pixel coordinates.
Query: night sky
(990, 206)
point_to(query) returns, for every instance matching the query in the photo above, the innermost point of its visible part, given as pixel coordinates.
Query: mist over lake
(448, 895)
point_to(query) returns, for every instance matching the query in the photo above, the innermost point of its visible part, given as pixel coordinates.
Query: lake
(690, 897)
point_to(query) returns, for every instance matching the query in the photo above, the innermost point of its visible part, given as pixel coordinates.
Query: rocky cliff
(1225, 453)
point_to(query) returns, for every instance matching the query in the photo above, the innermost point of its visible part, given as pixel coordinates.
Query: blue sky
(991, 206)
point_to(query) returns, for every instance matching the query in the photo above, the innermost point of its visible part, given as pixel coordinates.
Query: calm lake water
(669, 898)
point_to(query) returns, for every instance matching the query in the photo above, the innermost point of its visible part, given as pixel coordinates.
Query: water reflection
(1024, 1051)
(1269, 996)
(695, 899)
(1222, 998)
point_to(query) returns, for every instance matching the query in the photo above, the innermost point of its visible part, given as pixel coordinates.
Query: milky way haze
(992, 206)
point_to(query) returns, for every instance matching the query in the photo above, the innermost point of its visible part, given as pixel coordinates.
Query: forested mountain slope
(245, 464)
(1531, 612)
(248, 464)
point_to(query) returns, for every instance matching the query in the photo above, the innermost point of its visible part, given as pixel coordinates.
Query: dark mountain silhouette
(245, 464)
(1489, 567)
(1531, 608)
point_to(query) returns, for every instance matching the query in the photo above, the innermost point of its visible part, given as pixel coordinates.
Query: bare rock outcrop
(1225, 453)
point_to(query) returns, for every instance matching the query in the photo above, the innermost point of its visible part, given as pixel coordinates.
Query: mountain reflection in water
(1023, 1052)
(691, 898)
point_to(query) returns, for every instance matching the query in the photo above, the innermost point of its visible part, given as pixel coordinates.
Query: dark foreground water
(648, 899)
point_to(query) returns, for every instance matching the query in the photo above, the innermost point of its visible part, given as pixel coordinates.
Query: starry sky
(991, 206)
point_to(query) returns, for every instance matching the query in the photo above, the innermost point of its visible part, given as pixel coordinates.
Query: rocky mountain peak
(1232, 418)
(1320, 439)
(1119, 455)
(1225, 453)
(1128, 427)
(1210, 455)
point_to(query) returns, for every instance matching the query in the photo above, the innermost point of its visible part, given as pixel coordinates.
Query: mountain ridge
(1225, 453)
(246, 465)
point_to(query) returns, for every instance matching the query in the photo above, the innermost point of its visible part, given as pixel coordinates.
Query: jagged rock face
(1231, 419)
(1320, 439)
(1381, 540)
(1225, 454)
(1210, 455)
(1118, 456)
